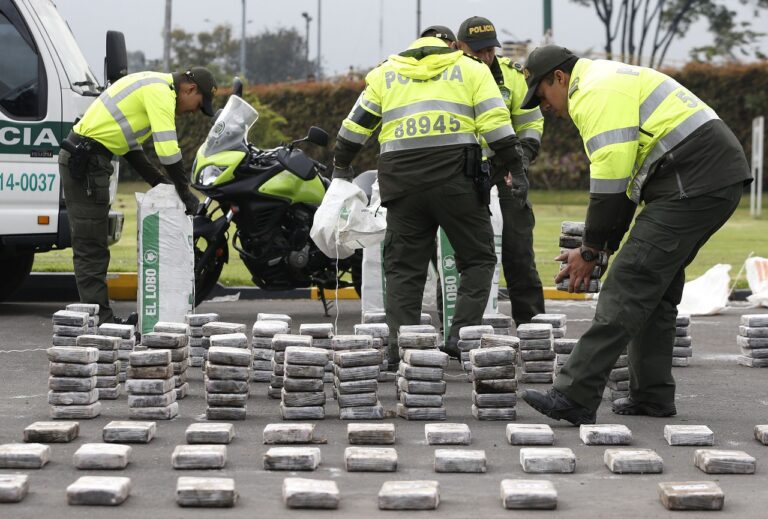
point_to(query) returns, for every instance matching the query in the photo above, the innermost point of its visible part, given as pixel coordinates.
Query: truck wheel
(15, 270)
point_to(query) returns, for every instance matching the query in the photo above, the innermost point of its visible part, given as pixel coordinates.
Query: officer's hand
(343, 173)
(191, 202)
(519, 184)
(577, 270)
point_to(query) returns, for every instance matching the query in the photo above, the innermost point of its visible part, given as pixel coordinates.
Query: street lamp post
(306, 40)
(319, 28)
(242, 45)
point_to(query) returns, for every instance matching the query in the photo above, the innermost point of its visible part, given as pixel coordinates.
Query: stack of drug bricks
(356, 367)
(753, 341)
(494, 394)
(280, 341)
(536, 353)
(618, 378)
(469, 339)
(126, 334)
(72, 383)
(321, 334)
(220, 328)
(196, 338)
(227, 372)
(150, 385)
(683, 349)
(563, 348)
(303, 394)
(420, 383)
(92, 310)
(379, 331)
(571, 236)
(559, 327)
(179, 355)
(107, 367)
(227, 382)
(501, 323)
(68, 325)
(266, 327)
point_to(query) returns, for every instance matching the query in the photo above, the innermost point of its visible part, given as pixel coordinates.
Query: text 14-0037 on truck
(45, 86)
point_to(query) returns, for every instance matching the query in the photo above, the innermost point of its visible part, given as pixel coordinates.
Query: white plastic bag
(332, 214)
(166, 258)
(757, 277)
(708, 294)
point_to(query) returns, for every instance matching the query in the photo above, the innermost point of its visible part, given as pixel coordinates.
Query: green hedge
(738, 93)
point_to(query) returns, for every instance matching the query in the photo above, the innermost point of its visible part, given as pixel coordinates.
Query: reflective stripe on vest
(615, 136)
(530, 133)
(427, 106)
(110, 103)
(526, 118)
(431, 141)
(357, 138)
(666, 143)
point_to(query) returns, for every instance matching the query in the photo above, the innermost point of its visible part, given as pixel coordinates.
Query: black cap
(478, 33)
(439, 31)
(206, 84)
(541, 61)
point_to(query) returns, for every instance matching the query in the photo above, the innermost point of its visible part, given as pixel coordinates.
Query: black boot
(627, 406)
(132, 319)
(556, 405)
(452, 348)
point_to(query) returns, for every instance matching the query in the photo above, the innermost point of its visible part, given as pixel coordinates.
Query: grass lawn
(732, 244)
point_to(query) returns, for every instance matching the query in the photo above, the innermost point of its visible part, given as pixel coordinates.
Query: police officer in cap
(130, 111)
(431, 102)
(649, 139)
(440, 31)
(477, 37)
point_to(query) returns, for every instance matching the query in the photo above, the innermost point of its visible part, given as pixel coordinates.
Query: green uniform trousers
(526, 296)
(409, 245)
(637, 307)
(87, 202)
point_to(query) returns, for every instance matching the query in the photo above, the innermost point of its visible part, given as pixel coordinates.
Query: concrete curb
(60, 286)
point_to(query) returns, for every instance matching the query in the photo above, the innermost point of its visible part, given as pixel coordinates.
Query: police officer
(650, 139)
(431, 101)
(442, 32)
(124, 116)
(477, 37)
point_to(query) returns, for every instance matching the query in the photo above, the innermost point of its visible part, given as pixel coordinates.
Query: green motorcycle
(271, 197)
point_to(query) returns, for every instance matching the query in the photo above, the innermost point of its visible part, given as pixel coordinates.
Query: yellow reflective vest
(528, 124)
(425, 101)
(132, 109)
(629, 117)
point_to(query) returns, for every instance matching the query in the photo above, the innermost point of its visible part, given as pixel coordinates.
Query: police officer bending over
(649, 139)
(431, 101)
(124, 116)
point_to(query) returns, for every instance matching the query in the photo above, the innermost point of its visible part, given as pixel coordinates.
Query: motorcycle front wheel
(207, 275)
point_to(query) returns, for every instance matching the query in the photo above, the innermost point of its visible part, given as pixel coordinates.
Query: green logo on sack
(150, 256)
(449, 263)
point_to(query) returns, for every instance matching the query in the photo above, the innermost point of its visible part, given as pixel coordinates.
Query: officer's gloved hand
(191, 202)
(520, 186)
(343, 173)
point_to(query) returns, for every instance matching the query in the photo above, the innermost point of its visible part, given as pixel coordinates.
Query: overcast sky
(350, 28)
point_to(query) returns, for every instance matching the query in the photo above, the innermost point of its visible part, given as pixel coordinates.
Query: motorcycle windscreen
(230, 130)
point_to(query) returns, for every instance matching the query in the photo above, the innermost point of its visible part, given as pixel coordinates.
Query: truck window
(22, 76)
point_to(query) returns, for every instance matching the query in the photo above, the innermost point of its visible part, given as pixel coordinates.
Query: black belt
(91, 145)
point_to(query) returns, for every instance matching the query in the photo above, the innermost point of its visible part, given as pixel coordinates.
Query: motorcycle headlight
(209, 174)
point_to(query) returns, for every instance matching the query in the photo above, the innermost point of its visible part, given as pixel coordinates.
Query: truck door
(30, 128)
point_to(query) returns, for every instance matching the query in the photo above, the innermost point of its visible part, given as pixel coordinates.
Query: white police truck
(45, 86)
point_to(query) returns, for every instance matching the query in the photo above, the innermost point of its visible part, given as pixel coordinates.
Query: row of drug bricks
(87, 367)
(206, 448)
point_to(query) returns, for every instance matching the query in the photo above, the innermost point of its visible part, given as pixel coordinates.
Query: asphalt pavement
(713, 391)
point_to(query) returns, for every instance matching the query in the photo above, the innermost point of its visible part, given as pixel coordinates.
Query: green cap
(541, 61)
(206, 84)
(439, 31)
(478, 33)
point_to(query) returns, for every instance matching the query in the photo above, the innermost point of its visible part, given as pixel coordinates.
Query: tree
(645, 29)
(273, 57)
(214, 50)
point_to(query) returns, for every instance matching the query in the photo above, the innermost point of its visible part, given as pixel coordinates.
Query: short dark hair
(566, 66)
